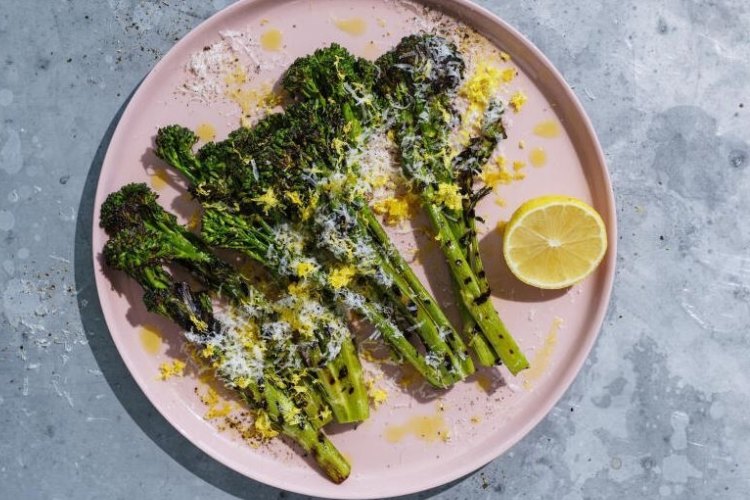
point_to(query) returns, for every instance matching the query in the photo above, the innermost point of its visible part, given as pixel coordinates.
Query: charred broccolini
(239, 360)
(305, 336)
(320, 194)
(419, 78)
(288, 193)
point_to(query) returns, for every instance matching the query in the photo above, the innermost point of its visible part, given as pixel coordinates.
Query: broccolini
(419, 79)
(305, 336)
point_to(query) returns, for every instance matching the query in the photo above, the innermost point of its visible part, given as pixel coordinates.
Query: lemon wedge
(554, 241)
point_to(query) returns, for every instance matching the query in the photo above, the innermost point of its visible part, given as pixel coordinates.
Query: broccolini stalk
(350, 239)
(304, 333)
(462, 171)
(420, 76)
(466, 166)
(253, 380)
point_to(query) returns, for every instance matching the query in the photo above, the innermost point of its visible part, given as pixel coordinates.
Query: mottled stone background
(661, 407)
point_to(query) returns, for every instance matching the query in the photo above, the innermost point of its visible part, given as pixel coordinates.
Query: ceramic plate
(418, 438)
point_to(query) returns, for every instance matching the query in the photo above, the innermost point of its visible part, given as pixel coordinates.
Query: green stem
(473, 335)
(471, 331)
(312, 440)
(342, 382)
(419, 294)
(233, 231)
(477, 303)
(311, 401)
(453, 365)
(193, 313)
(403, 347)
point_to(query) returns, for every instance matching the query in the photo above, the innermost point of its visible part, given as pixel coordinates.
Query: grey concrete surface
(661, 407)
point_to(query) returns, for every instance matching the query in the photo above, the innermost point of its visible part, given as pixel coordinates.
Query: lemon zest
(294, 197)
(448, 195)
(377, 394)
(305, 268)
(395, 209)
(267, 200)
(341, 276)
(168, 370)
(263, 426)
(517, 100)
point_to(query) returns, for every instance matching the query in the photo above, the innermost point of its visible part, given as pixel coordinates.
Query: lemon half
(554, 241)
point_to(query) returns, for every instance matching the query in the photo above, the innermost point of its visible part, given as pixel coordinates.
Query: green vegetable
(466, 165)
(265, 393)
(294, 167)
(289, 193)
(419, 78)
(257, 239)
(152, 237)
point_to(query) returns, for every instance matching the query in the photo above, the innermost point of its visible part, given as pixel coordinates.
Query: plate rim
(453, 9)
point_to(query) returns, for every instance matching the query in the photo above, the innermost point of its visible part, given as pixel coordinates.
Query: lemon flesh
(554, 241)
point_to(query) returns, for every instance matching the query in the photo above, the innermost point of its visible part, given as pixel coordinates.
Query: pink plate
(418, 438)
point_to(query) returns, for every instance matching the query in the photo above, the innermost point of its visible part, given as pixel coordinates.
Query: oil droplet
(247, 269)
(409, 376)
(549, 129)
(271, 40)
(208, 376)
(246, 99)
(150, 339)
(538, 157)
(425, 427)
(159, 179)
(194, 221)
(354, 26)
(206, 132)
(543, 357)
(251, 100)
(488, 381)
(484, 382)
